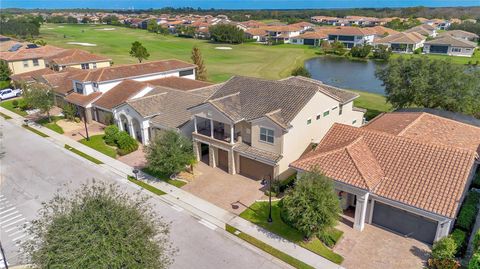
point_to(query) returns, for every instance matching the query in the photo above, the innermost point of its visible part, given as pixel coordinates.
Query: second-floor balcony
(216, 130)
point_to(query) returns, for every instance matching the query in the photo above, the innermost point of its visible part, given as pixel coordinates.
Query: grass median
(84, 155)
(5, 116)
(34, 130)
(97, 143)
(52, 124)
(146, 186)
(258, 213)
(267, 248)
(165, 178)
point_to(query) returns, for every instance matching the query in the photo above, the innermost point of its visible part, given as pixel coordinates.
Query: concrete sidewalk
(189, 202)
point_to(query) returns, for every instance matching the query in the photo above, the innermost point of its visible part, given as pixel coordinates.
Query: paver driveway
(231, 192)
(376, 248)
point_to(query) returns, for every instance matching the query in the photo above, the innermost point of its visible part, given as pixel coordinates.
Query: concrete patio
(377, 248)
(231, 192)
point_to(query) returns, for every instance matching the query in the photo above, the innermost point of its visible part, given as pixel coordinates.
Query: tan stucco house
(257, 127)
(405, 171)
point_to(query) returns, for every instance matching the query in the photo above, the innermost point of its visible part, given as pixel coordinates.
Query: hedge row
(121, 139)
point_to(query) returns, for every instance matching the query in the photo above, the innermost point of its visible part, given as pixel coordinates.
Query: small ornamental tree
(301, 71)
(70, 110)
(5, 71)
(169, 152)
(201, 73)
(99, 226)
(382, 52)
(152, 26)
(338, 48)
(139, 52)
(360, 51)
(311, 206)
(40, 96)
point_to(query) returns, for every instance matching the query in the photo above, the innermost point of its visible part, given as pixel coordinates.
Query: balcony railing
(219, 135)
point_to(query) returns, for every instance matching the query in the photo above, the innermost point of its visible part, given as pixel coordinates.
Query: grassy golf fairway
(249, 59)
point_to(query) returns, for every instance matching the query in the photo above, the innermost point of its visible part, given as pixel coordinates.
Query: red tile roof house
(351, 36)
(92, 85)
(405, 171)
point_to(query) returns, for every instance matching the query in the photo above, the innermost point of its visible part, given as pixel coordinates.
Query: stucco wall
(17, 66)
(277, 145)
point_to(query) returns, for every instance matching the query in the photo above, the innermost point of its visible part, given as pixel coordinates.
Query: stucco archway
(124, 124)
(137, 129)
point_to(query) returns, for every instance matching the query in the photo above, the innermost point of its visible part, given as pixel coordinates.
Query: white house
(352, 36)
(450, 46)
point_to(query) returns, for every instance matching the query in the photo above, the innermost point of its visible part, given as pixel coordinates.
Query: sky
(231, 4)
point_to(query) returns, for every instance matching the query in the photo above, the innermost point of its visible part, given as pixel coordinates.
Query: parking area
(231, 192)
(383, 248)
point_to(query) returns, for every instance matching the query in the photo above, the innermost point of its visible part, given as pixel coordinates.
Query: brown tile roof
(133, 70)
(30, 76)
(34, 53)
(428, 128)
(402, 38)
(179, 83)
(76, 56)
(61, 82)
(451, 41)
(256, 31)
(427, 176)
(423, 29)
(283, 28)
(120, 93)
(350, 30)
(459, 34)
(381, 30)
(257, 153)
(82, 100)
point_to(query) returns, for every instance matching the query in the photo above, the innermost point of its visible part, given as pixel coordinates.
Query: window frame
(326, 113)
(309, 121)
(25, 64)
(267, 135)
(36, 62)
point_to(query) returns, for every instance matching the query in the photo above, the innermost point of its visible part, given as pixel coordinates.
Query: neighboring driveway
(76, 130)
(376, 248)
(231, 192)
(135, 159)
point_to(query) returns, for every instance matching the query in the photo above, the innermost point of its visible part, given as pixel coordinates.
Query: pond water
(345, 73)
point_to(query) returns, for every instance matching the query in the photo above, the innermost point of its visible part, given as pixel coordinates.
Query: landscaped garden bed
(15, 105)
(52, 123)
(97, 143)
(258, 214)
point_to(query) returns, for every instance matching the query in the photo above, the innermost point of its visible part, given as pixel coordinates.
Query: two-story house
(90, 85)
(257, 127)
(352, 36)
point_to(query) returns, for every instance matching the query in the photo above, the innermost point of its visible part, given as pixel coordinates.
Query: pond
(345, 73)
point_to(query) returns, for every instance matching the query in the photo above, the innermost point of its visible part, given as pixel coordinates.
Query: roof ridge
(146, 97)
(223, 97)
(360, 171)
(410, 124)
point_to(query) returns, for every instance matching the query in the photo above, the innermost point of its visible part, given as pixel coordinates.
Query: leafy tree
(301, 71)
(40, 42)
(444, 248)
(227, 33)
(99, 226)
(5, 71)
(474, 261)
(311, 206)
(125, 143)
(152, 26)
(361, 51)
(201, 72)
(70, 111)
(338, 48)
(111, 19)
(163, 30)
(86, 20)
(40, 96)
(72, 20)
(56, 19)
(424, 82)
(19, 27)
(139, 51)
(382, 52)
(169, 152)
(185, 30)
(402, 25)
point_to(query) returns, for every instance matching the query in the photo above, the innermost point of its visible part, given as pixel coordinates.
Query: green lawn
(249, 59)
(455, 59)
(166, 178)
(97, 143)
(146, 186)
(82, 154)
(258, 213)
(267, 248)
(374, 103)
(52, 125)
(8, 104)
(34, 130)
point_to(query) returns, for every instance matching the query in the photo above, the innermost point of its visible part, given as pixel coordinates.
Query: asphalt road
(32, 169)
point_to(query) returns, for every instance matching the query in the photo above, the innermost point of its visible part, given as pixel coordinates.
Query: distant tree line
(400, 25)
(22, 26)
(467, 26)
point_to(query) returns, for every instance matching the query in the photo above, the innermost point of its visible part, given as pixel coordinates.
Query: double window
(35, 62)
(85, 66)
(79, 87)
(185, 72)
(326, 113)
(266, 135)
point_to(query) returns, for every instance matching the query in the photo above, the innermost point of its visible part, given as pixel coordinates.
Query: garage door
(404, 222)
(223, 159)
(309, 42)
(254, 169)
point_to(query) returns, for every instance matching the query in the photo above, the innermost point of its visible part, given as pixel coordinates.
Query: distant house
(460, 34)
(76, 58)
(402, 42)
(258, 34)
(424, 29)
(352, 36)
(450, 46)
(25, 59)
(405, 171)
(310, 38)
(283, 32)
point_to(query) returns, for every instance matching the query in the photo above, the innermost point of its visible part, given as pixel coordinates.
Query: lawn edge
(5, 116)
(267, 248)
(82, 154)
(146, 186)
(33, 130)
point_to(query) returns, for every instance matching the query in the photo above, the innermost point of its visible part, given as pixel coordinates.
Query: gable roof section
(76, 56)
(82, 100)
(459, 34)
(427, 176)
(61, 81)
(33, 53)
(30, 76)
(451, 41)
(350, 30)
(133, 70)
(402, 38)
(120, 93)
(179, 83)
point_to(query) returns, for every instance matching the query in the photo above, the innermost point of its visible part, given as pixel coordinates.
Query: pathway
(189, 202)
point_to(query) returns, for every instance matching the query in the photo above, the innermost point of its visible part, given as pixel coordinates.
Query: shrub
(444, 248)
(330, 237)
(111, 132)
(417, 51)
(301, 71)
(474, 261)
(15, 103)
(125, 143)
(443, 264)
(468, 212)
(69, 111)
(476, 182)
(476, 240)
(360, 51)
(460, 238)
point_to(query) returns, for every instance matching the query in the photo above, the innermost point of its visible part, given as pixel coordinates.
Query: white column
(211, 128)
(360, 212)
(195, 123)
(231, 134)
(145, 138)
(132, 130)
